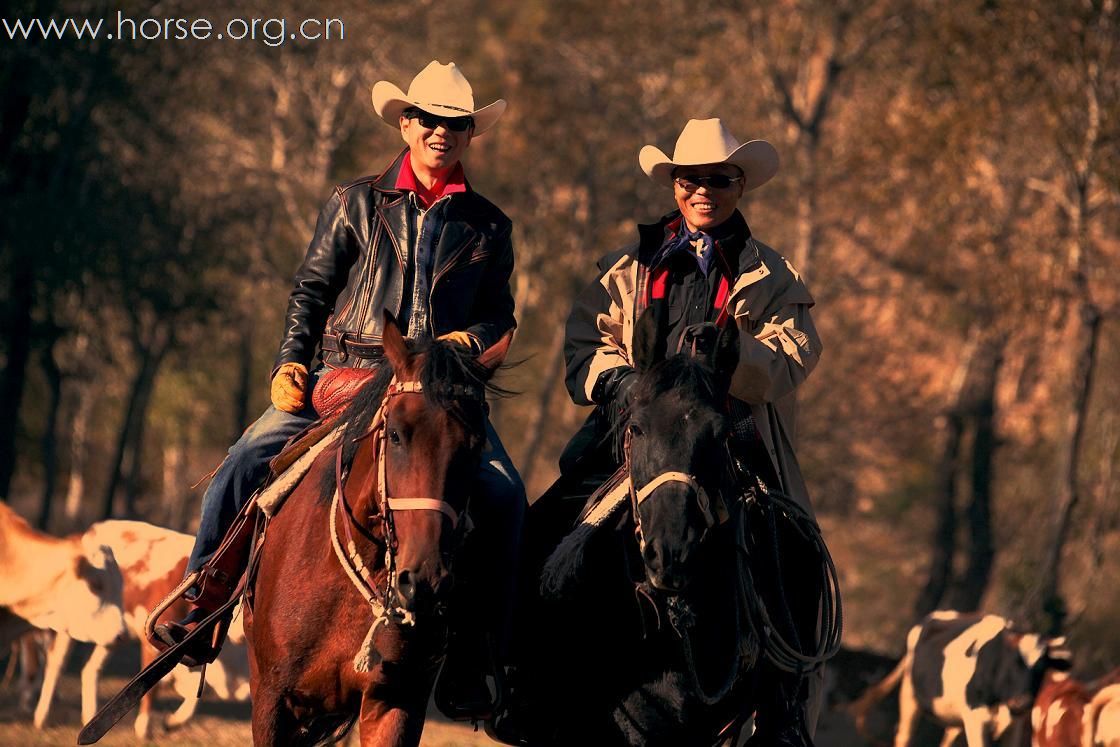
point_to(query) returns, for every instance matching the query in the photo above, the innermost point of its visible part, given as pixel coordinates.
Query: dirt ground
(220, 724)
(215, 724)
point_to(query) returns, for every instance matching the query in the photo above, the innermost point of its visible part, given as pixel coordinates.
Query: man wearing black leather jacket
(418, 241)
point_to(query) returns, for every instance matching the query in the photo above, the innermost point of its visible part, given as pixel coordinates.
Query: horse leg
(272, 722)
(56, 658)
(383, 725)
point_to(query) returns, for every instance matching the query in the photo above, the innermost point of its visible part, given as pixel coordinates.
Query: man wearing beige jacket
(687, 267)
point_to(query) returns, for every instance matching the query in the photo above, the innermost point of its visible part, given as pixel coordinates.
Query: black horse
(640, 632)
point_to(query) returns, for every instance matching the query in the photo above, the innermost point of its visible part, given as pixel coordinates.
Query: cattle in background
(1068, 713)
(1057, 712)
(70, 585)
(153, 561)
(969, 672)
(1101, 723)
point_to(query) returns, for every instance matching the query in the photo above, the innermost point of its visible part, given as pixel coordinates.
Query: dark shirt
(690, 296)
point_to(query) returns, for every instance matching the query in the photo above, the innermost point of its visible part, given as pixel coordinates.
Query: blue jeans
(498, 502)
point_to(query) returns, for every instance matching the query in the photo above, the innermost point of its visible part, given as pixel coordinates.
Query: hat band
(446, 106)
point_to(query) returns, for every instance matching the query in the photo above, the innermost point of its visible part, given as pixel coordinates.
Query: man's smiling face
(703, 205)
(434, 150)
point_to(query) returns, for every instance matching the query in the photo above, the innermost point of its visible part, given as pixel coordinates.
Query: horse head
(431, 441)
(676, 449)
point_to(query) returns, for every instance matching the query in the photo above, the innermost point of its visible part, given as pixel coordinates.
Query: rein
(384, 605)
(762, 635)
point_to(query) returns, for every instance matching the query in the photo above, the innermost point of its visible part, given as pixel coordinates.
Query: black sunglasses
(431, 121)
(715, 181)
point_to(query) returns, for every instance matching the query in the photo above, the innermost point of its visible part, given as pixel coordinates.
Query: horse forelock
(682, 374)
(444, 369)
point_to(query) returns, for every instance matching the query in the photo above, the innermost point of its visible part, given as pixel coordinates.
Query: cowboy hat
(437, 89)
(707, 141)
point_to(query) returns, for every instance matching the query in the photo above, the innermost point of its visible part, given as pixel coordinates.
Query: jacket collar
(387, 182)
(733, 236)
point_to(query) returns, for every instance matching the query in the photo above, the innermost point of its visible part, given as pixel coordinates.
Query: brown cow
(1056, 714)
(153, 560)
(70, 585)
(1101, 723)
(1068, 713)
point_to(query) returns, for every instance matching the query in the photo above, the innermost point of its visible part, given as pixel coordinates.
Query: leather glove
(289, 386)
(703, 334)
(613, 387)
(466, 339)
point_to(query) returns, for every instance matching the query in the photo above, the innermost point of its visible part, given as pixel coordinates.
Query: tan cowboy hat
(437, 89)
(706, 141)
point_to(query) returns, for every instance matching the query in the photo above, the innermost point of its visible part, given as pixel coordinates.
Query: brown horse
(346, 609)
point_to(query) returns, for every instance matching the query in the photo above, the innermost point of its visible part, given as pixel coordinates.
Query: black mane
(675, 372)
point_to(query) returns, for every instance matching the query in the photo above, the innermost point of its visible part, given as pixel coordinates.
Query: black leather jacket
(355, 267)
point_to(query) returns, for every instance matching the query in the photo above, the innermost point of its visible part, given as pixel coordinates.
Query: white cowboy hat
(437, 89)
(706, 141)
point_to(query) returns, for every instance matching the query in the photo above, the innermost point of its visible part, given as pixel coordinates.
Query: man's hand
(289, 386)
(460, 338)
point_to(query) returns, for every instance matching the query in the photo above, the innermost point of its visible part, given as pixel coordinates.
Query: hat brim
(389, 102)
(758, 160)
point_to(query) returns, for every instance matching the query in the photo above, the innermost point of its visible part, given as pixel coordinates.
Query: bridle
(385, 605)
(713, 512)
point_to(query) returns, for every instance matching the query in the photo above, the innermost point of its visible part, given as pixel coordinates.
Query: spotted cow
(71, 585)
(153, 561)
(968, 672)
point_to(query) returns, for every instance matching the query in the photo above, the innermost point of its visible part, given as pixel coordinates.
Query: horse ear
(647, 348)
(726, 355)
(495, 355)
(396, 350)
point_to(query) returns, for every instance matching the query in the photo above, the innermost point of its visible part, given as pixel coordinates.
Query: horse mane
(678, 371)
(447, 367)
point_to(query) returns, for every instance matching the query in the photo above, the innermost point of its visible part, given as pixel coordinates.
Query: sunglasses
(715, 181)
(431, 121)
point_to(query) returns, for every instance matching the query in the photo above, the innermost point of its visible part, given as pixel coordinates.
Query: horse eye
(394, 437)
(635, 430)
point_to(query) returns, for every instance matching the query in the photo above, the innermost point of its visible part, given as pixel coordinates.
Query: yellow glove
(460, 338)
(288, 386)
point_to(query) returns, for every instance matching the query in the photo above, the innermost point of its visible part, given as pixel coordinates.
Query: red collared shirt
(456, 181)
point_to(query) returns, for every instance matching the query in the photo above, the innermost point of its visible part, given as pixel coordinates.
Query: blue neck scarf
(696, 244)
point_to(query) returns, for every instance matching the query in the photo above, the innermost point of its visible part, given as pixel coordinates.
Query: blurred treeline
(950, 187)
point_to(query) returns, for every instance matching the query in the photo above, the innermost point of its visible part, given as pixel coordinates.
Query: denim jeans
(497, 504)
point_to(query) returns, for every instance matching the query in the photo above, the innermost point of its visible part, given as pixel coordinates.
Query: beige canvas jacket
(779, 345)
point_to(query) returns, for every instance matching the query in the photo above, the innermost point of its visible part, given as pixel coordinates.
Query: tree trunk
(970, 587)
(135, 459)
(244, 381)
(126, 455)
(79, 451)
(944, 540)
(539, 417)
(807, 203)
(50, 437)
(1087, 337)
(18, 350)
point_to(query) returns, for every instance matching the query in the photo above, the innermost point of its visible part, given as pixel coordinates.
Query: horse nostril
(406, 587)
